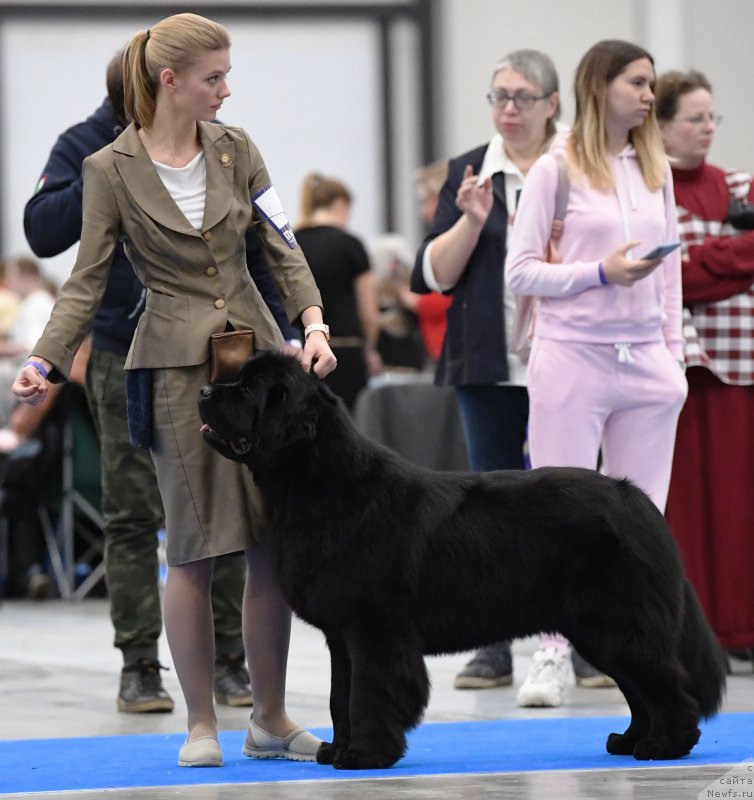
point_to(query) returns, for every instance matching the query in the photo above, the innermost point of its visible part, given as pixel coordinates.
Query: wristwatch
(317, 326)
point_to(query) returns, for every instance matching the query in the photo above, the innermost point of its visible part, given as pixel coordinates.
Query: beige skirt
(212, 506)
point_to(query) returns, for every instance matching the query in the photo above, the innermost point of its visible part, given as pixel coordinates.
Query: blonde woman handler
(176, 189)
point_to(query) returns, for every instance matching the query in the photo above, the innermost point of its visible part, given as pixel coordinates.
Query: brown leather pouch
(228, 352)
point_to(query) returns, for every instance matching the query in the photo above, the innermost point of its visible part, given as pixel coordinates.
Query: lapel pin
(225, 160)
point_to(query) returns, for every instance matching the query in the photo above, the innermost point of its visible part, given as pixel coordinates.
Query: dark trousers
(494, 422)
(133, 514)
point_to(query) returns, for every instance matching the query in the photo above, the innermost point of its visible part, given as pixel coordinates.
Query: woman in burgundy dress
(711, 502)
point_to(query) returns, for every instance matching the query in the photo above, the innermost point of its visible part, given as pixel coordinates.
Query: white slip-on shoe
(202, 752)
(299, 745)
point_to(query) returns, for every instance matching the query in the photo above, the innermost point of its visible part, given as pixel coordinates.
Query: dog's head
(271, 409)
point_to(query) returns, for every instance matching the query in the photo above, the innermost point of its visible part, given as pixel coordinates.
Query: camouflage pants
(133, 514)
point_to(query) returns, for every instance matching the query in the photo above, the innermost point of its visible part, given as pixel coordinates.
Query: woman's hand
(30, 387)
(474, 199)
(622, 271)
(317, 355)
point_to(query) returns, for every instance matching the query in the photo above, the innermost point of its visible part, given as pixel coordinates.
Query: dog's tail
(701, 656)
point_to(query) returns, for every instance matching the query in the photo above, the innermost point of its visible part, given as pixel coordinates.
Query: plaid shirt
(719, 336)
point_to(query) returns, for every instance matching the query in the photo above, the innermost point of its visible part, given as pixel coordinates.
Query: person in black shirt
(340, 265)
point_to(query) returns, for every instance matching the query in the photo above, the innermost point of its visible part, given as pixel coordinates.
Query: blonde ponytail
(139, 91)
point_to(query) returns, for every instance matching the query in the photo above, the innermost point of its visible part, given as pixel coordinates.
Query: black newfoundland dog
(392, 561)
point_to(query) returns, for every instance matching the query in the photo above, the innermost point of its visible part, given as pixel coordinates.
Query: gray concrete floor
(59, 676)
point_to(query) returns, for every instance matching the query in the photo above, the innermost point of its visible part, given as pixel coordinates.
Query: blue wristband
(603, 278)
(38, 367)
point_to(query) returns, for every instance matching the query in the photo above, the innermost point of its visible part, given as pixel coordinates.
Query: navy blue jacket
(474, 350)
(52, 222)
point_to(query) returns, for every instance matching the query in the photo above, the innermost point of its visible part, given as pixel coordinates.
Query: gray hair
(536, 67)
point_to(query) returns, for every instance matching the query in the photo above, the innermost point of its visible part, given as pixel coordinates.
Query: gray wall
(308, 89)
(714, 36)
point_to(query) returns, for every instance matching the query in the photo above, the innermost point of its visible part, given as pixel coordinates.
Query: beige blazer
(196, 280)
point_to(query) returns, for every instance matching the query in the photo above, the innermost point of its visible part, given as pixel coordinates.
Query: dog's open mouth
(239, 446)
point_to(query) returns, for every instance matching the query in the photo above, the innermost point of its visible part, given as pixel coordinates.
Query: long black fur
(392, 562)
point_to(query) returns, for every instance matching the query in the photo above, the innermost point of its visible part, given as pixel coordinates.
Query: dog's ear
(275, 434)
(276, 396)
(282, 421)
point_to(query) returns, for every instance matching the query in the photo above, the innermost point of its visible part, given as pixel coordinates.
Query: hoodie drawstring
(629, 181)
(632, 199)
(624, 353)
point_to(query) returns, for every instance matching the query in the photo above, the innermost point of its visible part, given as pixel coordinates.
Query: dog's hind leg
(389, 692)
(674, 728)
(340, 697)
(618, 744)
(622, 744)
(672, 713)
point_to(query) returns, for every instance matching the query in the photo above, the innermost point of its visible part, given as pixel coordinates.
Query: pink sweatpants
(623, 399)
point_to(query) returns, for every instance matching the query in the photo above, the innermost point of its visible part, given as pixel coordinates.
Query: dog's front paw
(326, 753)
(348, 758)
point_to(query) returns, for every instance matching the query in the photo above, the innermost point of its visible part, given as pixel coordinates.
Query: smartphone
(661, 251)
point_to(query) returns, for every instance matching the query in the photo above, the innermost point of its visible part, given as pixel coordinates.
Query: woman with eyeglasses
(463, 257)
(606, 366)
(711, 503)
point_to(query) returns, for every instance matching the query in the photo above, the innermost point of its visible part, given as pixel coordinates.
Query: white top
(187, 186)
(495, 160)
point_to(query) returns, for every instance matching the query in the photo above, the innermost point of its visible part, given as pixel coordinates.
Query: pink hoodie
(574, 305)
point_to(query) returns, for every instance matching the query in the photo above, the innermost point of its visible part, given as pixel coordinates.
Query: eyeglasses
(523, 101)
(700, 120)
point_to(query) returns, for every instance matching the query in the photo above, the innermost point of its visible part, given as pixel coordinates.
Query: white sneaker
(546, 681)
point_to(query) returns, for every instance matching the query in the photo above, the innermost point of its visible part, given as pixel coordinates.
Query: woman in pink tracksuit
(605, 371)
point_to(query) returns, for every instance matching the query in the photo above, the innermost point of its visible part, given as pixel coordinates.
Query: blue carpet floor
(109, 762)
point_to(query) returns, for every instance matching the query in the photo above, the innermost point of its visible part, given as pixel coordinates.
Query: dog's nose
(205, 392)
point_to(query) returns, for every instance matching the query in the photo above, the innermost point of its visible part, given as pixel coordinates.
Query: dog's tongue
(204, 427)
